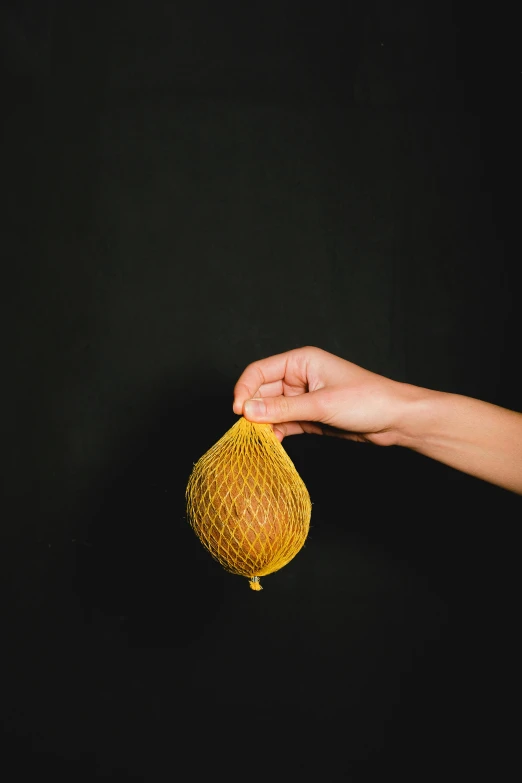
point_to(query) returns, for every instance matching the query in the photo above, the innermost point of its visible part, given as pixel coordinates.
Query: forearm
(475, 437)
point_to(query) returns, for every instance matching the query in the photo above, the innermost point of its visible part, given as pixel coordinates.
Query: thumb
(273, 410)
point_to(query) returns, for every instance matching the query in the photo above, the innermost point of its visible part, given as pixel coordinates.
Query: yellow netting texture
(247, 503)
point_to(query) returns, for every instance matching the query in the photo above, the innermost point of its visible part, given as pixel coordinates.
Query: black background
(190, 186)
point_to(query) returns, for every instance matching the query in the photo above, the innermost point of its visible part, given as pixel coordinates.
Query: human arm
(310, 390)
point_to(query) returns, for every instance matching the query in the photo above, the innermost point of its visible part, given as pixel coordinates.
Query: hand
(310, 390)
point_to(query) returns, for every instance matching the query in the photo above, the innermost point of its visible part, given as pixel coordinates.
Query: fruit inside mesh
(247, 502)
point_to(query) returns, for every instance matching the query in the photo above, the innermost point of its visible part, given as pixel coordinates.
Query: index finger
(256, 375)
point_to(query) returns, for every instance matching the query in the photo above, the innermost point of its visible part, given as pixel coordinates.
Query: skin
(310, 390)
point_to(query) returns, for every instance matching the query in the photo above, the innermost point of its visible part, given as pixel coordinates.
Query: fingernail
(255, 408)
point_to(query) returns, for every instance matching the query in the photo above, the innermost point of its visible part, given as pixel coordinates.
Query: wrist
(419, 411)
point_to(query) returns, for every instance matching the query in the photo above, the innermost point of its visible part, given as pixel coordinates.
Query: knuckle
(280, 408)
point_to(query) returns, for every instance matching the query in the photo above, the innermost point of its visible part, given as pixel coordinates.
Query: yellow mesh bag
(247, 503)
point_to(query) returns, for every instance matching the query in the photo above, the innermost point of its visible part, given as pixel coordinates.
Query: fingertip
(240, 394)
(255, 409)
(279, 434)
